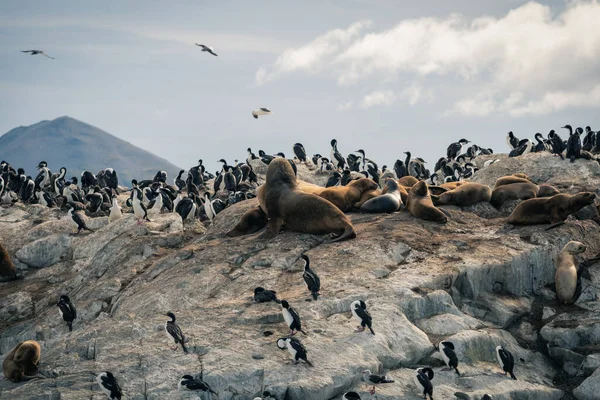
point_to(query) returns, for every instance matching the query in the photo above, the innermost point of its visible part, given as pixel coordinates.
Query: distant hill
(67, 142)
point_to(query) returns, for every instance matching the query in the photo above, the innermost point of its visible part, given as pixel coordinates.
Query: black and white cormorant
(311, 278)
(67, 311)
(423, 378)
(109, 385)
(336, 157)
(512, 140)
(79, 218)
(506, 361)
(174, 332)
(188, 382)
(291, 317)
(454, 149)
(523, 147)
(186, 207)
(573, 143)
(588, 140)
(359, 310)
(262, 295)
(449, 356)
(295, 348)
(334, 180)
(300, 152)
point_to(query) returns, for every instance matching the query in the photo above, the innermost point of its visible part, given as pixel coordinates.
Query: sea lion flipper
(348, 233)
(273, 228)
(555, 225)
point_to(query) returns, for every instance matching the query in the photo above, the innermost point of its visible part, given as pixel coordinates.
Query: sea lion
(402, 189)
(545, 190)
(344, 197)
(252, 221)
(389, 202)
(22, 362)
(565, 278)
(419, 204)
(7, 268)
(464, 195)
(408, 181)
(452, 185)
(286, 204)
(514, 178)
(514, 191)
(367, 196)
(549, 210)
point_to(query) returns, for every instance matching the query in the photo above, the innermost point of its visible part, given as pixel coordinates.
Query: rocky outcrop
(472, 281)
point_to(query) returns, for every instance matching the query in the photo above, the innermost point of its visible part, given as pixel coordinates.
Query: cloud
(378, 98)
(309, 57)
(415, 93)
(345, 106)
(528, 61)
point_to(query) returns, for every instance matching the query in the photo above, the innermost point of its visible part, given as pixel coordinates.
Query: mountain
(67, 142)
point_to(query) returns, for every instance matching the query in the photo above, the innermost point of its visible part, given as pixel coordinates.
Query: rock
(548, 312)
(45, 252)
(500, 310)
(589, 389)
(576, 329)
(591, 364)
(15, 307)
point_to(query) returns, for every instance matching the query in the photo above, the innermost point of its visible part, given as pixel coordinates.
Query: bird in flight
(34, 52)
(206, 48)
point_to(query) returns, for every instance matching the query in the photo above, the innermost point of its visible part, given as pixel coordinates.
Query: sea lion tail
(348, 233)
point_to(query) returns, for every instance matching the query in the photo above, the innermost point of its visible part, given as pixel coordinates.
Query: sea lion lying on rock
(565, 278)
(520, 191)
(419, 204)
(549, 210)
(22, 362)
(389, 202)
(286, 204)
(345, 197)
(514, 178)
(408, 181)
(464, 195)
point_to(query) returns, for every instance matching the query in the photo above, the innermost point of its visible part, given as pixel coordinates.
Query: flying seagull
(206, 48)
(34, 52)
(261, 111)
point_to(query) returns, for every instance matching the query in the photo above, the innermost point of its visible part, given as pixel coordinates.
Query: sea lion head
(364, 184)
(585, 198)
(280, 171)
(574, 247)
(391, 186)
(420, 189)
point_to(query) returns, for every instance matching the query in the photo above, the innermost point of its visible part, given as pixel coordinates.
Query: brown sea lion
(464, 195)
(344, 197)
(408, 181)
(252, 221)
(514, 178)
(565, 278)
(22, 362)
(514, 191)
(549, 210)
(419, 204)
(403, 192)
(452, 185)
(366, 196)
(7, 268)
(389, 202)
(545, 190)
(285, 204)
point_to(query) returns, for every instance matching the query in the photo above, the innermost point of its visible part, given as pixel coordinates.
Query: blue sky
(384, 76)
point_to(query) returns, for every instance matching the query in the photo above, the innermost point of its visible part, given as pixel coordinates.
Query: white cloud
(310, 56)
(415, 93)
(345, 106)
(378, 98)
(529, 61)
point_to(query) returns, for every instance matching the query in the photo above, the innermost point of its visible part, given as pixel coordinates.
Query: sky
(385, 76)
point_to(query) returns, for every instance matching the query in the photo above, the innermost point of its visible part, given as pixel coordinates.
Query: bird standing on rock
(311, 278)
(423, 378)
(67, 311)
(295, 348)
(291, 317)
(359, 310)
(506, 361)
(449, 356)
(109, 385)
(373, 379)
(174, 332)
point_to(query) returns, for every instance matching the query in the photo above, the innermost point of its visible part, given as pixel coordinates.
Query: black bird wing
(296, 318)
(425, 382)
(452, 359)
(112, 385)
(312, 281)
(299, 347)
(197, 384)
(507, 359)
(175, 332)
(364, 315)
(380, 379)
